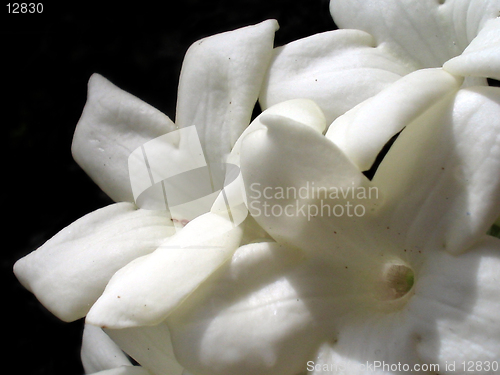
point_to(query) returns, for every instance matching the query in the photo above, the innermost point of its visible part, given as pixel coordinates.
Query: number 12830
(23, 8)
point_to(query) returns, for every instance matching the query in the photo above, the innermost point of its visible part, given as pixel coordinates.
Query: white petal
(442, 175)
(427, 33)
(149, 346)
(287, 168)
(362, 132)
(99, 352)
(69, 272)
(482, 57)
(167, 276)
(219, 85)
(124, 370)
(455, 307)
(302, 111)
(364, 346)
(112, 125)
(336, 69)
(247, 318)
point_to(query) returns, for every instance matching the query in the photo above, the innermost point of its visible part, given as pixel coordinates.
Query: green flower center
(397, 281)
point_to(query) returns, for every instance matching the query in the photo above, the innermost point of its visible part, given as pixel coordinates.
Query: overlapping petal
(336, 69)
(219, 85)
(455, 308)
(113, 124)
(70, 271)
(248, 319)
(297, 181)
(124, 370)
(149, 346)
(373, 345)
(363, 131)
(147, 290)
(425, 33)
(441, 173)
(482, 57)
(99, 352)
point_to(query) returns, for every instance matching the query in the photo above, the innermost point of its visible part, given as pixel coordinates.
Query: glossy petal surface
(112, 125)
(446, 189)
(425, 33)
(362, 132)
(455, 307)
(336, 69)
(482, 57)
(150, 346)
(247, 318)
(167, 276)
(70, 271)
(99, 352)
(220, 83)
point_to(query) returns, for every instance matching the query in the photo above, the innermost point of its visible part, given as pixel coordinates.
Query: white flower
(219, 86)
(380, 42)
(410, 277)
(410, 267)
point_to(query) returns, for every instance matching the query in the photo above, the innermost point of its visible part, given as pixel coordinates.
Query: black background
(47, 61)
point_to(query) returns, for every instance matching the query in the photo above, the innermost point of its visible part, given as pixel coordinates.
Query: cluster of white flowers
(225, 290)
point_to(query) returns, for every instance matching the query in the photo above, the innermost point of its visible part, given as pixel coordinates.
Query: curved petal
(70, 271)
(303, 111)
(113, 124)
(363, 131)
(219, 85)
(336, 69)
(167, 276)
(248, 319)
(442, 175)
(124, 370)
(99, 352)
(482, 57)
(374, 345)
(455, 307)
(426, 33)
(149, 346)
(300, 187)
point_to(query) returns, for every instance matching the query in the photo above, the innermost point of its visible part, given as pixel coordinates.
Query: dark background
(47, 61)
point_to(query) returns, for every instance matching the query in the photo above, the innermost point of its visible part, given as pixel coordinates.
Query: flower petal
(124, 370)
(442, 173)
(219, 85)
(336, 69)
(99, 352)
(149, 346)
(297, 181)
(425, 33)
(372, 345)
(247, 319)
(167, 276)
(69, 272)
(482, 57)
(303, 111)
(362, 132)
(455, 307)
(113, 124)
